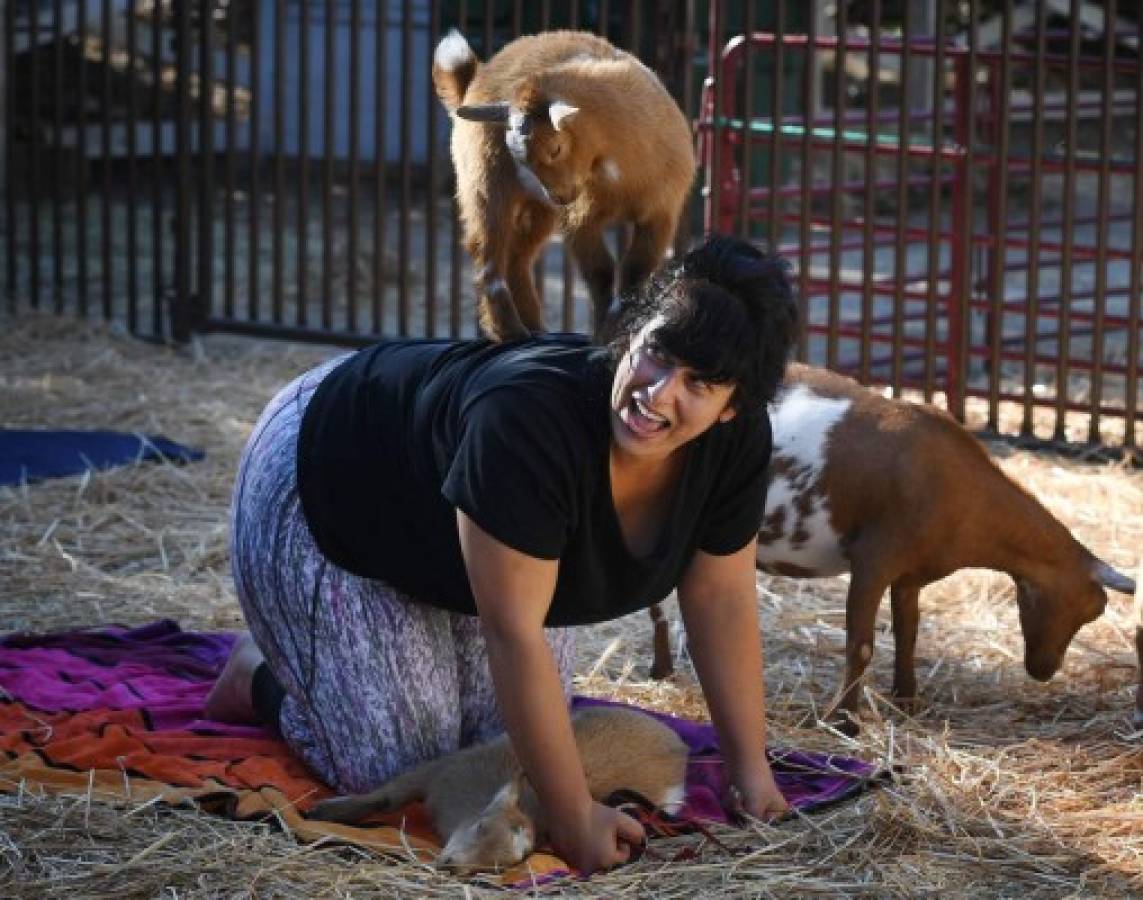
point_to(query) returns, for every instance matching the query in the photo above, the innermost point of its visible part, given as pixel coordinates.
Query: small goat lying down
(899, 495)
(560, 128)
(483, 808)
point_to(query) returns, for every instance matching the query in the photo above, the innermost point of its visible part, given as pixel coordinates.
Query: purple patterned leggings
(375, 682)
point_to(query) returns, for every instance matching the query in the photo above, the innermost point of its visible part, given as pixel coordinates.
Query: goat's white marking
(452, 52)
(610, 169)
(558, 110)
(673, 798)
(532, 184)
(802, 422)
(514, 137)
(521, 843)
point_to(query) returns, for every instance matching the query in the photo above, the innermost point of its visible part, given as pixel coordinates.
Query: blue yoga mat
(33, 455)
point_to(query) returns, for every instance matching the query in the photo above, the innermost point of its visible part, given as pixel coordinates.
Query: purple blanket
(165, 673)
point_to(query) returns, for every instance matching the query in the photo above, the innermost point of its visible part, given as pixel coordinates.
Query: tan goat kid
(560, 128)
(899, 495)
(483, 808)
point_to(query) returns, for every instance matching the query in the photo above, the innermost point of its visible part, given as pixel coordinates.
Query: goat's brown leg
(649, 245)
(597, 266)
(488, 226)
(866, 588)
(905, 602)
(1138, 717)
(534, 225)
(662, 666)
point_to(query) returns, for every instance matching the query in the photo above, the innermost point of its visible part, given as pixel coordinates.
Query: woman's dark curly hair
(729, 313)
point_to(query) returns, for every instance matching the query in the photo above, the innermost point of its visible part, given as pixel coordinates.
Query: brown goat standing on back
(900, 495)
(560, 128)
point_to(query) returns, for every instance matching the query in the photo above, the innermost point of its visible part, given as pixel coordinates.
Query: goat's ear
(485, 112)
(509, 795)
(1109, 578)
(560, 111)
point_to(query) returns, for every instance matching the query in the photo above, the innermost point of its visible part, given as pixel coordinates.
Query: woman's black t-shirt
(517, 435)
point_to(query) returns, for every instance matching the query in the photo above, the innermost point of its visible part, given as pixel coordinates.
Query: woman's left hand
(756, 794)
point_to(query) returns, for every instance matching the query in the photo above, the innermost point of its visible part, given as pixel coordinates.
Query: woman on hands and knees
(418, 527)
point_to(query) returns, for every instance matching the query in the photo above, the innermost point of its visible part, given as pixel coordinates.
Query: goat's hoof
(661, 672)
(909, 704)
(846, 722)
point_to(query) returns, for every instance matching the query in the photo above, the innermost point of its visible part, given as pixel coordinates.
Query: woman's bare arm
(513, 593)
(719, 604)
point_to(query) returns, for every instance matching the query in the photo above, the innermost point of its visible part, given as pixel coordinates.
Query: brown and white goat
(483, 808)
(560, 128)
(899, 495)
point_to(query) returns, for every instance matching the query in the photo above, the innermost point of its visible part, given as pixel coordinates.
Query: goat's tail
(392, 795)
(454, 66)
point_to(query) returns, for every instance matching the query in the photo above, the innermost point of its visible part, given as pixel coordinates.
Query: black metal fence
(955, 183)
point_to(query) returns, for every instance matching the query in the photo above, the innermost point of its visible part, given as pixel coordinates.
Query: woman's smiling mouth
(642, 420)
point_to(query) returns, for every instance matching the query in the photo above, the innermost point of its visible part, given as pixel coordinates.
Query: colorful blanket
(32, 455)
(118, 712)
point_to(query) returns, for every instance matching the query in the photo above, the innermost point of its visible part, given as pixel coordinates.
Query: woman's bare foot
(230, 699)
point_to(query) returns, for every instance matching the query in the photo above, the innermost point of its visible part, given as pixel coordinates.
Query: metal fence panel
(955, 184)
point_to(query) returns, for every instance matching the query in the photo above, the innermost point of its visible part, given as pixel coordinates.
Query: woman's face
(659, 403)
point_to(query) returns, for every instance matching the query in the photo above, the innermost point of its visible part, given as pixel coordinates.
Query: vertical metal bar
(354, 162)
(105, 148)
(229, 262)
(746, 182)
(1135, 283)
(1035, 212)
(960, 307)
(157, 171)
(279, 77)
(434, 184)
(34, 153)
(778, 59)
(714, 72)
(805, 231)
(569, 271)
(837, 180)
(934, 254)
(489, 21)
(132, 170)
(57, 151)
(329, 146)
(303, 163)
(517, 17)
(901, 253)
(1063, 327)
(457, 256)
(635, 28)
(204, 305)
(254, 268)
(380, 162)
(1000, 201)
(180, 329)
(604, 15)
(9, 152)
(403, 248)
(868, 249)
(81, 159)
(1103, 201)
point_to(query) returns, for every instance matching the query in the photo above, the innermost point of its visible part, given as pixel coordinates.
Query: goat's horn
(485, 112)
(1108, 577)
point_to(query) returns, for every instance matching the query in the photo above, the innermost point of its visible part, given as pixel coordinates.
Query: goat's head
(1055, 607)
(542, 136)
(501, 836)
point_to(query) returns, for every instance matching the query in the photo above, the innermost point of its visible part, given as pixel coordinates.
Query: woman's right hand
(600, 839)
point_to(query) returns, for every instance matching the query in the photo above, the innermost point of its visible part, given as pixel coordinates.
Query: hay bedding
(1012, 787)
